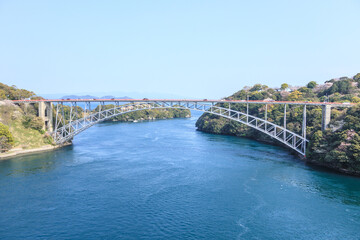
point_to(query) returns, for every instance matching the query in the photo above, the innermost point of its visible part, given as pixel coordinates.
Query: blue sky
(200, 49)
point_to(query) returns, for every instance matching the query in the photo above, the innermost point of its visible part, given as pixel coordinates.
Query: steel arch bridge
(66, 126)
(66, 131)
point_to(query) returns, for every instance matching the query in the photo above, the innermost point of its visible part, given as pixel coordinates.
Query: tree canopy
(6, 138)
(284, 86)
(14, 93)
(311, 84)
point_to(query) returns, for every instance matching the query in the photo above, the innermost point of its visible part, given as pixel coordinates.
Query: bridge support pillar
(26, 106)
(46, 113)
(326, 117)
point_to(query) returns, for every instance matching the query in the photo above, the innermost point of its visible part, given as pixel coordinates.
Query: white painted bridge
(66, 126)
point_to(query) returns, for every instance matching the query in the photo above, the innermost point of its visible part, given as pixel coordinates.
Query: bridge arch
(66, 130)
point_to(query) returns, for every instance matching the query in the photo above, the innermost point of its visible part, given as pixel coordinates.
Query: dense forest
(337, 148)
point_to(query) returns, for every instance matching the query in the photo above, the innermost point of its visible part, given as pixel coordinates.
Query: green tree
(357, 77)
(6, 138)
(295, 96)
(311, 84)
(2, 94)
(284, 86)
(307, 92)
(343, 87)
(256, 87)
(14, 93)
(30, 121)
(37, 123)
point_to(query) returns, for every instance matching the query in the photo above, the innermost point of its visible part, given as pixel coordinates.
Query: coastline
(21, 152)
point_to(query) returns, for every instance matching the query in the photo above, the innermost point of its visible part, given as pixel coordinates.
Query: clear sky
(201, 49)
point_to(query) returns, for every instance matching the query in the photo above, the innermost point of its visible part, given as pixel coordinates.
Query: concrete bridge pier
(46, 113)
(326, 117)
(26, 106)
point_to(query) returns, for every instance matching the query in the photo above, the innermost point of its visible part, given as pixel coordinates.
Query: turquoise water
(165, 180)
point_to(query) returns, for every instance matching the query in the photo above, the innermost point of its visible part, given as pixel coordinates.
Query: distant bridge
(64, 128)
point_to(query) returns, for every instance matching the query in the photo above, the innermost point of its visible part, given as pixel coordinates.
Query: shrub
(355, 99)
(37, 123)
(26, 121)
(6, 111)
(6, 138)
(30, 121)
(48, 139)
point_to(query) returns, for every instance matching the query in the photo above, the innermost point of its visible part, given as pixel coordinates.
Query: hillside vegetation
(337, 148)
(25, 129)
(14, 93)
(19, 126)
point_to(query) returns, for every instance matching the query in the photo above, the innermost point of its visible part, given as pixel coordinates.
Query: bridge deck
(332, 104)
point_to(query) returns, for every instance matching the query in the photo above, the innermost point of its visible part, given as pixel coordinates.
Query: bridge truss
(67, 126)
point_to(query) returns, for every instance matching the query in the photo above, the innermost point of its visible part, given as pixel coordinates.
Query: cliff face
(337, 148)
